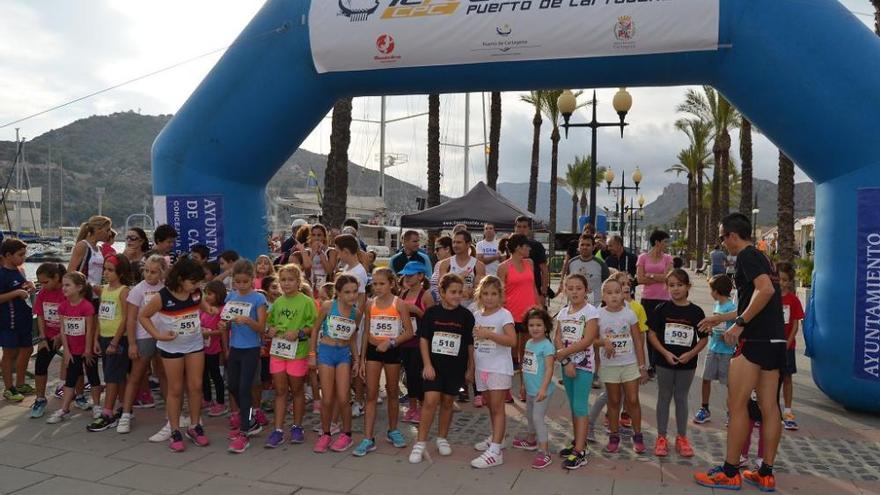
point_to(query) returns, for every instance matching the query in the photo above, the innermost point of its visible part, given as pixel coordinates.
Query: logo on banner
(624, 30)
(385, 46)
(358, 10)
(503, 30)
(402, 9)
(502, 43)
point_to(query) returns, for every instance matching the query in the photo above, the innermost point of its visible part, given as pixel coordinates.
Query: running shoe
(478, 400)
(124, 423)
(276, 438)
(443, 446)
(144, 400)
(296, 434)
(154, 383)
(176, 444)
(366, 446)
(418, 451)
(57, 416)
(625, 420)
(239, 444)
(488, 459)
(342, 443)
(13, 395)
(234, 421)
(321, 445)
(197, 435)
(683, 446)
(163, 434)
(87, 388)
(103, 422)
(661, 448)
(59, 391)
(395, 437)
(567, 451)
(715, 478)
(639, 443)
(702, 416)
(25, 389)
(218, 410)
(613, 443)
(261, 418)
(524, 444)
(97, 411)
(39, 407)
(541, 461)
(483, 444)
(254, 429)
(763, 483)
(575, 460)
(357, 410)
(788, 422)
(743, 461)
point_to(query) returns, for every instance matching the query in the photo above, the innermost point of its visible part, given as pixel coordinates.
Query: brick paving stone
(235, 486)
(12, 479)
(68, 486)
(321, 478)
(156, 479)
(81, 466)
(18, 454)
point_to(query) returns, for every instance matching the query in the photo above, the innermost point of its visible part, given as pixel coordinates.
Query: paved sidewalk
(835, 451)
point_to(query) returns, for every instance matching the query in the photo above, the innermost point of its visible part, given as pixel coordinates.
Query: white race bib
(187, 324)
(235, 308)
(622, 344)
(75, 326)
(786, 313)
(340, 328)
(107, 310)
(681, 335)
(530, 363)
(387, 327)
(50, 312)
(484, 345)
(571, 331)
(284, 349)
(445, 343)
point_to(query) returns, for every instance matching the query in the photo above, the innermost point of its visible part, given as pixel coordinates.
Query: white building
(23, 210)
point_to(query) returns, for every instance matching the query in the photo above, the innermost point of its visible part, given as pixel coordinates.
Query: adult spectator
(588, 265)
(442, 250)
(410, 252)
(520, 291)
(468, 267)
(651, 270)
(537, 254)
(487, 250)
(136, 248)
(619, 258)
(759, 334)
(718, 260)
(86, 256)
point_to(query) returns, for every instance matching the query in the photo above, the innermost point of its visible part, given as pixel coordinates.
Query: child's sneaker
(488, 459)
(575, 460)
(261, 418)
(25, 389)
(13, 395)
(59, 391)
(103, 422)
(625, 420)
(702, 416)
(366, 446)
(418, 451)
(763, 483)
(743, 461)
(217, 410)
(97, 411)
(342, 443)
(639, 443)
(715, 478)
(296, 434)
(483, 444)
(443, 446)
(176, 444)
(197, 435)
(407, 416)
(57, 416)
(81, 402)
(234, 421)
(395, 437)
(321, 445)
(683, 447)
(661, 448)
(254, 429)
(39, 407)
(541, 461)
(613, 443)
(144, 401)
(163, 434)
(275, 439)
(524, 444)
(124, 423)
(567, 451)
(789, 423)
(357, 410)
(239, 444)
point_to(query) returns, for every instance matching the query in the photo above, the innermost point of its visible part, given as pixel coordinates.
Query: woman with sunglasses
(442, 250)
(136, 247)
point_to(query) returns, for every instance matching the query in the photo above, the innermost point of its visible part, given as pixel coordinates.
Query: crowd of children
(202, 329)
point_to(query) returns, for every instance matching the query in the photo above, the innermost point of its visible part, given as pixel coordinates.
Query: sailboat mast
(467, 143)
(20, 143)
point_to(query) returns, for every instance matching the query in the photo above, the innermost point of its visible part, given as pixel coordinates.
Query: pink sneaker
(239, 444)
(342, 443)
(234, 421)
(541, 461)
(524, 444)
(478, 400)
(176, 444)
(407, 416)
(322, 444)
(217, 410)
(417, 416)
(197, 435)
(261, 418)
(144, 400)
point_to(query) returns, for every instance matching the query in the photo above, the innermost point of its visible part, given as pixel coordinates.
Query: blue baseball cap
(412, 268)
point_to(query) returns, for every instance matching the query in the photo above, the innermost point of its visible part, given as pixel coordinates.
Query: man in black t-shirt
(759, 335)
(538, 255)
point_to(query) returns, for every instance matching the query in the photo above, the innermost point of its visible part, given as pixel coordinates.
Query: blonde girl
(263, 268)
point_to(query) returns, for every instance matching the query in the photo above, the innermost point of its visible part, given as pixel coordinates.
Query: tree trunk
(715, 211)
(574, 211)
(584, 202)
(876, 4)
(745, 154)
(692, 217)
(725, 174)
(701, 222)
(785, 221)
(336, 174)
(494, 139)
(433, 159)
(554, 161)
(536, 152)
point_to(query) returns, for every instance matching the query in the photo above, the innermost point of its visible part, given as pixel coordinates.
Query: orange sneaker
(763, 483)
(715, 478)
(683, 447)
(661, 448)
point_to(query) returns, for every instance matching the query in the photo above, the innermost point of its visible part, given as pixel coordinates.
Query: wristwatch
(739, 321)
(564, 361)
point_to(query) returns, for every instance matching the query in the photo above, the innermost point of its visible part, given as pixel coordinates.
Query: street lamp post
(567, 103)
(621, 191)
(635, 214)
(755, 212)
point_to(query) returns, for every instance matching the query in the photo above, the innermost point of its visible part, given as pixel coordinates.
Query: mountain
(113, 152)
(669, 204)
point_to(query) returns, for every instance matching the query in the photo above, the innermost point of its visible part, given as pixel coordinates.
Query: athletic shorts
(487, 380)
(115, 366)
(577, 390)
(176, 355)
(790, 362)
(717, 366)
(391, 356)
(146, 347)
(296, 368)
(334, 355)
(769, 356)
(16, 338)
(619, 374)
(446, 381)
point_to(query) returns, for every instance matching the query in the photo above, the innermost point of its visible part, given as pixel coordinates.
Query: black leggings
(212, 374)
(44, 358)
(411, 358)
(75, 370)
(240, 370)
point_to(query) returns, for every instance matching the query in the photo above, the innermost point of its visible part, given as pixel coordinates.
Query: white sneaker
(163, 435)
(124, 424)
(97, 412)
(417, 453)
(357, 410)
(57, 416)
(184, 422)
(443, 446)
(483, 445)
(488, 459)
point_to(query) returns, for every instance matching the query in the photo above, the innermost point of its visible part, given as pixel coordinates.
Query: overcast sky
(58, 50)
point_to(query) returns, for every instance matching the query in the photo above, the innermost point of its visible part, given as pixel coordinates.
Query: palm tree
(693, 161)
(494, 139)
(689, 164)
(600, 173)
(575, 179)
(336, 175)
(745, 154)
(534, 98)
(551, 112)
(709, 106)
(785, 205)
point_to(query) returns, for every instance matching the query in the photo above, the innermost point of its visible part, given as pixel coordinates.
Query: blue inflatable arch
(806, 72)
